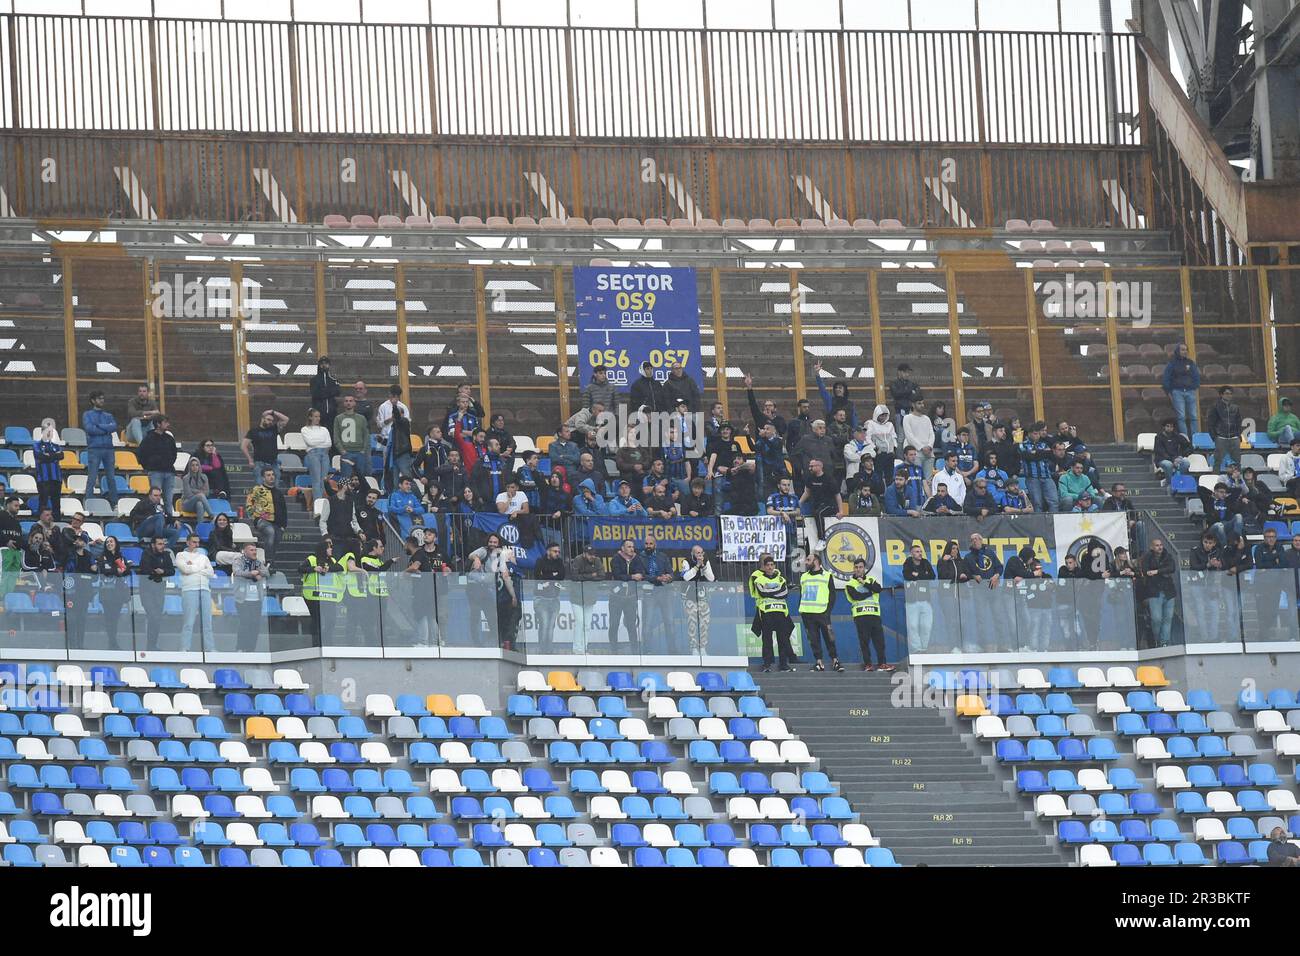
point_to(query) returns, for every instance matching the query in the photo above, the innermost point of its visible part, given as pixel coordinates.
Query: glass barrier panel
(248, 613)
(473, 610)
(550, 616)
(1268, 605)
(933, 618)
(613, 618)
(35, 611)
(664, 630)
(1211, 612)
(988, 618)
(718, 616)
(408, 614)
(1107, 611)
(1039, 623)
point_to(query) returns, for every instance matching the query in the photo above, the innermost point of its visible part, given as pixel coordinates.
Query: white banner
(1080, 533)
(744, 538)
(847, 540)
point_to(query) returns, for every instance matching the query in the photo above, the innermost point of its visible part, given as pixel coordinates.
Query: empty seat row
(1091, 780)
(1064, 749)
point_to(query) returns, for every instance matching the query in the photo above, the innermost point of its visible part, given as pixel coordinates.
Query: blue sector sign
(630, 315)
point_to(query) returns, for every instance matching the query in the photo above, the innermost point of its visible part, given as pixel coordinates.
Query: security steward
(322, 584)
(768, 588)
(366, 584)
(816, 596)
(863, 592)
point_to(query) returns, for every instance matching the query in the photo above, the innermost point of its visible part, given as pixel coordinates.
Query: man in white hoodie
(883, 438)
(196, 593)
(918, 432)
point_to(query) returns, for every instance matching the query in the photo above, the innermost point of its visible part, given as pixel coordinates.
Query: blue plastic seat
(1031, 781)
(741, 682)
(615, 708)
(1063, 781)
(880, 856)
(1114, 804)
(1189, 854)
(1011, 751)
(1031, 705)
(1061, 704)
(1102, 748)
(765, 836)
(1144, 804)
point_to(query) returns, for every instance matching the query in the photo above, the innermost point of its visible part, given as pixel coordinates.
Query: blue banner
(630, 315)
(680, 534)
(528, 547)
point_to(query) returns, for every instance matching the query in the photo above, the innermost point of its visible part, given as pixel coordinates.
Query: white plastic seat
(314, 752)
(69, 725)
(258, 779)
(1221, 801)
(1171, 701)
(1209, 828)
(847, 857)
(372, 856)
(292, 728)
(443, 780)
(634, 728)
(617, 781)
(1051, 805)
(774, 728)
(187, 807)
(326, 806)
(1111, 702)
(71, 675)
(1283, 801)
(189, 704)
(743, 808)
(236, 751)
(195, 678)
(94, 856)
(858, 834)
(381, 705)
(159, 704)
(793, 751)
(1150, 748)
(1120, 676)
(96, 703)
(682, 682)
(403, 857)
(1270, 722)
(521, 834)
(243, 834)
(1287, 745)
(137, 678)
(765, 751)
(606, 808)
(1094, 780)
(663, 708)
(453, 751)
(1031, 678)
(678, 783)
(659, 835)
(32, 748)
(775, 808)
(742, 856)
(1095, 855)
(606, 856)
(531, 808)
(574, 728)
(287, 678)
(251, 807)
(532, 682)
(471, 705)
(507, 780)
(1171, 777)
(111, 805)
(67, 832)
(713, 728)
(376, 752)
(990, 727)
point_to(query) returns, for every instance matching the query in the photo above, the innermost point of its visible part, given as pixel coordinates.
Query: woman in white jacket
(318, 440)
(884, 439)
(196, 574)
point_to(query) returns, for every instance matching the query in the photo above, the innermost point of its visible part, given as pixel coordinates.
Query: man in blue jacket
(100, 426)
(1182, 383)
(903, 498)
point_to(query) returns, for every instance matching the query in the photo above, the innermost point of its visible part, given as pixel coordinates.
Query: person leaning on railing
(1156, 570)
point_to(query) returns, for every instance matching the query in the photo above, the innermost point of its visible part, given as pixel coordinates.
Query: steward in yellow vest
(322, 584)
(768, 588)
(816, 596)
(863, 592)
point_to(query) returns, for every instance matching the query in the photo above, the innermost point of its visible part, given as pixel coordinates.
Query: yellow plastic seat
(441, 705)
(971, 705)
(126, 461)
(562, 681)
(1152, 676)
(544, 443)
(139, 484)
(71, 462)
(261, 728)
